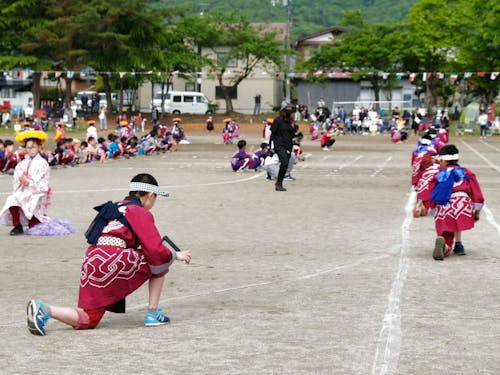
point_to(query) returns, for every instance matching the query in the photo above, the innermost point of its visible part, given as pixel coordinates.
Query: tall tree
(177, 58)
(122, 35)
(432, 41)
(479, 47)
(41, 35)
(235, 48)
(368, 51)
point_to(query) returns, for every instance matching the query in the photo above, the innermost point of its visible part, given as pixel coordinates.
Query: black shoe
(459, 249)
(18, 229)
(280, 188)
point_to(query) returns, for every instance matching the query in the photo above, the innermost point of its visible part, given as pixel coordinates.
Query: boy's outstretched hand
(184, 256)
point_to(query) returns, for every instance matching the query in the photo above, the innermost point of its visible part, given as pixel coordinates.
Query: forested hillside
(308, 16)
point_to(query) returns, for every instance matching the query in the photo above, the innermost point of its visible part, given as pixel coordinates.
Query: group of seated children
(72, 151)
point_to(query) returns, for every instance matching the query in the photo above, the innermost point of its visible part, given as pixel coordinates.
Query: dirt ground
(333, 276)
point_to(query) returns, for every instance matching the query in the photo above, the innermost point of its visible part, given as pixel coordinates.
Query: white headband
(449, 157)
(425, 141)
(142, 186)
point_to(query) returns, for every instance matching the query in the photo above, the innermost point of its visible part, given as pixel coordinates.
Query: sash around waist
(111, 241)
(459, 194)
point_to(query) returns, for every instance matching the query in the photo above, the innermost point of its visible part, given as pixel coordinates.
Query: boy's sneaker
(17, 230)
(438, 253)
(157, 319)
(37, 318)
(459, 249)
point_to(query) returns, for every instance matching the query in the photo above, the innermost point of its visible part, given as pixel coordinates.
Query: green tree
(177, 57)
(479, 47)
(431, 44)
(123, 35)
(233, 40)
(370, 52)
(41, 35)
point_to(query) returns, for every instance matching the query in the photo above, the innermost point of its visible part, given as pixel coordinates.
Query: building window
(190, 86)
(233, 93)
(231, 63)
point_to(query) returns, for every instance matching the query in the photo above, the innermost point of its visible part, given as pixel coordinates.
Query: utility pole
(288, 10)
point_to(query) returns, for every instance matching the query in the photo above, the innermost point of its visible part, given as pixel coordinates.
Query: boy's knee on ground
(89, 319)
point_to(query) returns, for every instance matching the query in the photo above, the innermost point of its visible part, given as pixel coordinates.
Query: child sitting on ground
(259, 156)
(241, 160)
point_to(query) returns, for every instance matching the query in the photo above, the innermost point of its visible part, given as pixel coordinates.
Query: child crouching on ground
(458, 200)
(124, 235)
(428, 168)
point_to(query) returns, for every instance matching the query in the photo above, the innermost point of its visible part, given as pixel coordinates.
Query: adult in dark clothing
(282, 134)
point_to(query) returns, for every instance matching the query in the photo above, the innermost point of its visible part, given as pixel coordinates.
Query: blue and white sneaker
(157, 319)
(37, 317)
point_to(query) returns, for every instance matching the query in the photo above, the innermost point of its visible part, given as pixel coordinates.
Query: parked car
(177, 102)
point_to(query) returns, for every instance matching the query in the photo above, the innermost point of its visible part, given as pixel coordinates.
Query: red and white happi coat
(458, 214)
(423, 186)
(33, 199)
(416, 159)
(123, 259)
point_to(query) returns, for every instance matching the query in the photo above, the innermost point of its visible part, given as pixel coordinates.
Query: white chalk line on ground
(382, 166)
(346, 164)
(489, 215)
(246, 286)
(491, 219)
(481, 156)
(227, 182)
(490, 146)
(389, 342)
(264, 283)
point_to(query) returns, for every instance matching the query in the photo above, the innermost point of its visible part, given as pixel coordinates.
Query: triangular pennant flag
(399, 76)
(121, 74)
(70, 74)
(481, 74)
(467, 74)
(424, 76)
(412, 76)
(453, 76)
(494, 75)
(439, 75)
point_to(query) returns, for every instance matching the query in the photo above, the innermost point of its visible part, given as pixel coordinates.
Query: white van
(177, 102)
